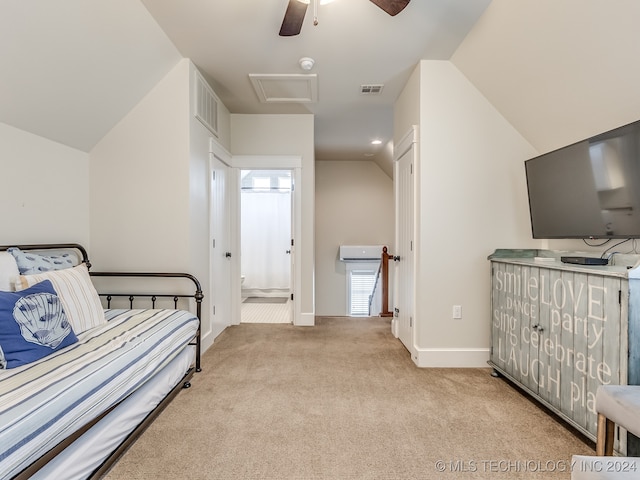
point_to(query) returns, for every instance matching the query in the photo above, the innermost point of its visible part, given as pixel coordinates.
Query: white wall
(199, 213)
(140, 183)
(286, 135)
(472, 199)
(576, 80)
(354, 206)
(559, 72)
(72, 69)
(407, 111)
(44, 190)
(150, 191)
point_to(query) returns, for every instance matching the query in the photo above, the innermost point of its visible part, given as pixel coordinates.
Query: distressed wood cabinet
(559, 330)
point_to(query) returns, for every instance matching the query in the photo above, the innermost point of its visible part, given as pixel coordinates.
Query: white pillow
(79, 297)
(8, 271)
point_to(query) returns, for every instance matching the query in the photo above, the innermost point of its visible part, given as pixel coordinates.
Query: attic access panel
(291, 88)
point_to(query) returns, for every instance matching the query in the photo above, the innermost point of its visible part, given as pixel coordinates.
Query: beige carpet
(343, 400)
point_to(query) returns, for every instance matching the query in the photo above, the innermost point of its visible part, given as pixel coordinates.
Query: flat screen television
(590, 189)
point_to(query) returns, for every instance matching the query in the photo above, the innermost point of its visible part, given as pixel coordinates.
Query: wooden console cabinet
(560, 330)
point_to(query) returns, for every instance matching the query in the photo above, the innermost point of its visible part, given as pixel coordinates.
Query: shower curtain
(266, 237)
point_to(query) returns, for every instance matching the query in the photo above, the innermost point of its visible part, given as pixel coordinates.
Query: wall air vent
(206, 104)
(371, 89)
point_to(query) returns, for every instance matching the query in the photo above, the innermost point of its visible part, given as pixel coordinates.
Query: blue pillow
(32, 325)
(31, 263)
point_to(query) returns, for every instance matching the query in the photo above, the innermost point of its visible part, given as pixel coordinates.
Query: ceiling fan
(294, 15)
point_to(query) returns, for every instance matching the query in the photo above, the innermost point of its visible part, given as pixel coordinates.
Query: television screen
(590, 189)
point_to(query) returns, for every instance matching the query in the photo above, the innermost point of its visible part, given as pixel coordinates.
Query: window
(361, 280)
(276, 181)
(261, 183)
(284, 183)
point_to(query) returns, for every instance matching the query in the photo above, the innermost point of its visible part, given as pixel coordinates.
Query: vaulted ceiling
(71, 69)
(558, 71)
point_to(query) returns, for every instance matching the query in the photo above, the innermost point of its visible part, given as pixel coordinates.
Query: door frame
(266, 162)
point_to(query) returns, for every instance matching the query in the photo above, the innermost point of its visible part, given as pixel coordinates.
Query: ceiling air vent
(371, 89)
(287, 88)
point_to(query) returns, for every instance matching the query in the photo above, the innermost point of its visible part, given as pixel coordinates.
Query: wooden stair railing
(382, 281)
(386, 256)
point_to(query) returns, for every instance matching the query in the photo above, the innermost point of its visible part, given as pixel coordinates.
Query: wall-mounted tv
(590, 189)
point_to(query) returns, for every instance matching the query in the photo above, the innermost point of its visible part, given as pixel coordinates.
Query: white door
(404, 277)
(220, 244)
(292, 247)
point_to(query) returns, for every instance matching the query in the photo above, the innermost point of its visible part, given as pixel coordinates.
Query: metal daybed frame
(183, 383)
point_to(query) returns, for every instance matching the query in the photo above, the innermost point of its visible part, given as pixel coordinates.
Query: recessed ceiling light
(376, 142)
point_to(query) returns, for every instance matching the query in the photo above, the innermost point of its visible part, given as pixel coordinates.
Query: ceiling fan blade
(293, 18)
(392, 7)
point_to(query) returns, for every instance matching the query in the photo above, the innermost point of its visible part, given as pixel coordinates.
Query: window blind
(361, 283)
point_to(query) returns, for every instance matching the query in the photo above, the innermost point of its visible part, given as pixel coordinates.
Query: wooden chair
(616, 405)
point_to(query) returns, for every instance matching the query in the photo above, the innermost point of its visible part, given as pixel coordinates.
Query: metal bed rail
(198, 296)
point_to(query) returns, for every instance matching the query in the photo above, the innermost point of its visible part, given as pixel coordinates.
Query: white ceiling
(354, 43)
(71, 69)
(578, 79)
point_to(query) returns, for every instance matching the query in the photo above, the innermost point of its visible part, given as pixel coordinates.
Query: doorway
(266, 225)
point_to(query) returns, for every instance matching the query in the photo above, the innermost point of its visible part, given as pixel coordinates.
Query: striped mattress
(44, 402)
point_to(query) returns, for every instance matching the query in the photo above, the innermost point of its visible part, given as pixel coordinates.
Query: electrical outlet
(457, 311)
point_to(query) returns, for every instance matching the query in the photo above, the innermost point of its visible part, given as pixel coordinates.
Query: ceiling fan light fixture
(296, 9)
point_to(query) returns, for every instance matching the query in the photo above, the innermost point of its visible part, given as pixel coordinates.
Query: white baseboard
(451, 357)
(306, 320)
(394, 327)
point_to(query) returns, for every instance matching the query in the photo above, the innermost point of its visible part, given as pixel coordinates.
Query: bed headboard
(152, 297)
(83, 257)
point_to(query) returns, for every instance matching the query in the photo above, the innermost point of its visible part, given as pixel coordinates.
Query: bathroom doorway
(266, 245)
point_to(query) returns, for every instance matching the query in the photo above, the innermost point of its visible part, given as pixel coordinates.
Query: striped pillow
(79, 297)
